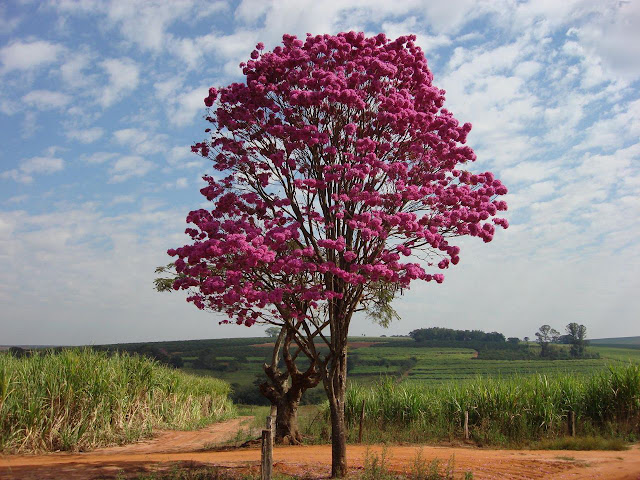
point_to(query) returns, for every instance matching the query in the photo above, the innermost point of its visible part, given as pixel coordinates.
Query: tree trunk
(285, 389)
(287, 399)
(287, 431)
(335, 386)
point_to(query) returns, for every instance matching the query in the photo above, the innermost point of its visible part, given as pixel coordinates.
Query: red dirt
(189, 449)
(173, 441)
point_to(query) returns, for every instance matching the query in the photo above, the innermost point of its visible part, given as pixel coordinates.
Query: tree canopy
(340, 161)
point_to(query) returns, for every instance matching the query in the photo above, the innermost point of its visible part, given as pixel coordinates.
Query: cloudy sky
(99, 102)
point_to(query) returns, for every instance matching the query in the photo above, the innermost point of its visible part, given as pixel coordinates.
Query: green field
(629, 341)
(436, 365)
(239, 361)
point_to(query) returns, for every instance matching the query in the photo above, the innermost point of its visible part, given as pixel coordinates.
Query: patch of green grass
(619, 354)
(581, 443)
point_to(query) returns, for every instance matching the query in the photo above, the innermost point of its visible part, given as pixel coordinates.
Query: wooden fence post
(361, 422)
(266, 464)
(572, 423)
(271, 424)
(268, 438)
(466, 425)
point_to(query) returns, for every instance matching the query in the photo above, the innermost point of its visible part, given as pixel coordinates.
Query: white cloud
(166, 89)
(73, 70)
(9, 106)
(210, 8)
(525, 197)
(614, 37)
(450, 16)
(182, 106)
(8, 24)
(129, 166)
(181, 158)
(87, 135)
(123, 76)
(21, 55)
(140, 141)
(35, 165)
(527, 69)
(230, 49)
(46, 99)
(42, 165)
(182, 182)
(412, 25)
(145, 24)
(179, 183)
(529, 172)
(69, 261)
(178, 154)
(18, 199)
(615, 131)
(98, 157)
(29, 124)
(119, 199)
(617, 169)
(187, 106)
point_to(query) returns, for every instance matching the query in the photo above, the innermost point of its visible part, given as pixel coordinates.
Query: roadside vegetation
(510, 411)
(82, 399)
(107, 408)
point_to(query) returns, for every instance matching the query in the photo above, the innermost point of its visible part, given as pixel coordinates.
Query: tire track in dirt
(172, 441)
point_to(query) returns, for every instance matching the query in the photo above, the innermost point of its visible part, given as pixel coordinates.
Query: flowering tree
(337, 163)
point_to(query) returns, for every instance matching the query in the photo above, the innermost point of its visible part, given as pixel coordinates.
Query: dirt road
(194, 448)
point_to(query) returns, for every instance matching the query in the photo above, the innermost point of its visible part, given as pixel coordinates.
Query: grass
(589, 442)
(508, 411)
(82, 399)
(376, 468)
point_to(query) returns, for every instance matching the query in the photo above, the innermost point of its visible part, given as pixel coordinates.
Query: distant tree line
(441, 334)
(475, 339)
(495, 346)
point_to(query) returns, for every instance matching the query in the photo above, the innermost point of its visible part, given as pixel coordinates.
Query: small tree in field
(337, 162)
(273, 332)
(544, 336)
(577, 338)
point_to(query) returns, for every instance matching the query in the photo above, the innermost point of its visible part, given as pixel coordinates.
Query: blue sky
(100, 100)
